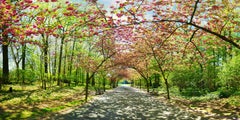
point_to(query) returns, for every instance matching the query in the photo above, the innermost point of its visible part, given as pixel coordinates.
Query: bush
(193, 92)
(225, 93)
(229, 75)
(185, 78)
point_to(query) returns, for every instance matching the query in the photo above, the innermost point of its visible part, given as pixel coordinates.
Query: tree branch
(195, 8)
(190, 41)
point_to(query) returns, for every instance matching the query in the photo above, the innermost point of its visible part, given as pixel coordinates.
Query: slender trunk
(23, 62)
(41, 69)
(46, 58)
(45, 67)
(65, 59)
(49, 77)
(15, 57)
(93, 81)
(65, 65)
(148, 85)
(60, 61)
(71, 61)
(45, 55)
(86, 87)
(166, 82)
(55, 59)
(167, 87)
(163, 74)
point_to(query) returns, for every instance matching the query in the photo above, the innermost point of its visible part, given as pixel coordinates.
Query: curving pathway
(126, 103)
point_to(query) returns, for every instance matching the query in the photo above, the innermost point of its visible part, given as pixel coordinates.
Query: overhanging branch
(195, 8)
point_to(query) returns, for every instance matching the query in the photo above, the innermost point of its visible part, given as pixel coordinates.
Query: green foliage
(225, 93)
(30, 76)
(210, 77)
(207, 97)
(230, 73)
(193, 92)
(185, 78)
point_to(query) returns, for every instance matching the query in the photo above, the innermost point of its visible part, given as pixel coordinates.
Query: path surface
(126, 103)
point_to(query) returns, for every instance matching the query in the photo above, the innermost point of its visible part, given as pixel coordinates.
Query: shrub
(225, 93)
(229, 75)
(185, 78)
(192, 92)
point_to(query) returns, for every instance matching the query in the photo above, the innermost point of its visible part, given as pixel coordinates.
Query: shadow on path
(126, 103)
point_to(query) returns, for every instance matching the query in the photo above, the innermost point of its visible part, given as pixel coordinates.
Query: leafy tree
(11, 13)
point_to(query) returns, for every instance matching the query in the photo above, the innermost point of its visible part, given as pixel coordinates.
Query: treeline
(49, 43)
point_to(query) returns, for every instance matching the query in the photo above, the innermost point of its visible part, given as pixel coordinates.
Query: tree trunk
(5, 75)
(60, 62)
(55, 59)
(16, 60)
(167, 87)
(45, 55)
(24, 46)
(45, 58)
(148, 85)
(166, 81)
(86, 87)
(93, 81)
(71, 61)
(65, 68)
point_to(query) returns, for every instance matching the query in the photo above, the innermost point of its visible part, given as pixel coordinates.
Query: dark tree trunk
(45, 58)
(23, 62)
(93, 81)
(5, 75)
(167, 87)
(45, 55)
(148, 85)
(86, 87)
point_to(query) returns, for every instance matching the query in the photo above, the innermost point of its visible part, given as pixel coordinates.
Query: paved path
(126, 103)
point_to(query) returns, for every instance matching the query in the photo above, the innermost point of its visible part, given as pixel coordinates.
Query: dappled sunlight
(125, 102)
(31, 104)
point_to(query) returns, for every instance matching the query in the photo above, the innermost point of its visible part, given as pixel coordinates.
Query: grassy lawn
(31, 102)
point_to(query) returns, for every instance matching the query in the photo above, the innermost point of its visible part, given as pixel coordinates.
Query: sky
(107, 3)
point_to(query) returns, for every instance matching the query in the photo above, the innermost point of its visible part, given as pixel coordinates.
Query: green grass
(53, 109)
(32, 102)
(204, 98)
